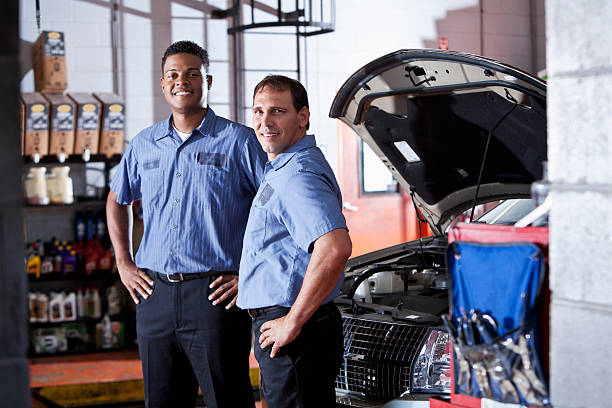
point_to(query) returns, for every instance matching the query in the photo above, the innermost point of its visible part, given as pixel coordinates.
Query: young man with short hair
(196, 174)
(295, 249)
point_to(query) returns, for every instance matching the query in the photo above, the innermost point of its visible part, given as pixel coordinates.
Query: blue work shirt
(195, 194)
(298, 201)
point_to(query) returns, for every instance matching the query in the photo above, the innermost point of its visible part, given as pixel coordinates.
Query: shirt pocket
(257, 224)
(212, 178)
(152, 184)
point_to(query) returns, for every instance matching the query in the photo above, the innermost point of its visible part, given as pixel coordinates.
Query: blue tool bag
(493, 324)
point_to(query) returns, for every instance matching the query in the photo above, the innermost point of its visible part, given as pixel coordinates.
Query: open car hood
(427, 114)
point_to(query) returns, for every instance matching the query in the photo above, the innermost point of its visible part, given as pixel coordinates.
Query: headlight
(431, 371)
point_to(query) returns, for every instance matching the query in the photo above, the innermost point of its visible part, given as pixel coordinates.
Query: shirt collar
(205, 127)
(306, 142)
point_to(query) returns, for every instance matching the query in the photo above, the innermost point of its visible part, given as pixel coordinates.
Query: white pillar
(579, 64)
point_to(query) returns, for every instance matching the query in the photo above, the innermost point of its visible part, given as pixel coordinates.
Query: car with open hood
(455, 130)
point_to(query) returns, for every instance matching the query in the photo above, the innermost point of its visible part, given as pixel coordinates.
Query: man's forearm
(326, 266)
(119, 220)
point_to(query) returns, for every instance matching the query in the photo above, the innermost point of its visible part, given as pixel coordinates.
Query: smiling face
(185, 83)
(276, 122)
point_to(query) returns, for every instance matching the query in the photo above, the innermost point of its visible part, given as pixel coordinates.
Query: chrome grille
(377, 356)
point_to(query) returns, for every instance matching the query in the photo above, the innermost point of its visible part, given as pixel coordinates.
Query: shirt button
(174, 227)
(178, 174)
(176, 200)
(171, 252)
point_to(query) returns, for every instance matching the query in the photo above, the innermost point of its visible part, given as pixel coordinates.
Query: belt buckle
(175, 280)
(252, 313)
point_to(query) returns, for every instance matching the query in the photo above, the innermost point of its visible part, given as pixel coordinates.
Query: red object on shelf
(496, 234)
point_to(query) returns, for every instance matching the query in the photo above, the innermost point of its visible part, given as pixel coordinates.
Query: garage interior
(115, 47)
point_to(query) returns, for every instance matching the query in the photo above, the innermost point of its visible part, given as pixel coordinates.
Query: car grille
(377, 357)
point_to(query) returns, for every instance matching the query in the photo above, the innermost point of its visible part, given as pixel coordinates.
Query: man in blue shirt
(295, 249)
(196, 175)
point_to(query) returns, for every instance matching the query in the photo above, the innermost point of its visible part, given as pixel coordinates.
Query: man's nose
(181, 79)
(266, 119)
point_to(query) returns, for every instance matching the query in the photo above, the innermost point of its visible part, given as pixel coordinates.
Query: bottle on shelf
(33, 307)
(90, 225)
(97, 304)
(56, 307)
(46, 266)
(59, 186)
(80, 301)
(70, 307)
(89, 304)
(36, 186)
(70, 261)
(42, 307)
(33, 261)
(79, 226)
(106, 333)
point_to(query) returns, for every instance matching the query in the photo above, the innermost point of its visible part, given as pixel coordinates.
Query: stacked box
(49, 62)
(61, 139)
(35, 124)
(87, 122)
(112, 132)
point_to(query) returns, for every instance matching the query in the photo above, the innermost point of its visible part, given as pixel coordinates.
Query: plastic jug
(59, 186)
(36, 186)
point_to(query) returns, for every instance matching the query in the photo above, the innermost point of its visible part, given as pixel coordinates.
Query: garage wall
(580, 166)
(146, 27)
(393, 25)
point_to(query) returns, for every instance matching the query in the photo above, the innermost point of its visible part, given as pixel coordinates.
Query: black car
(455, 130)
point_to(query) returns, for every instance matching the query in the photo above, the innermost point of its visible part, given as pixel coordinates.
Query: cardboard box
(112, 132)
(87, 122)
(61, 139)
(35, 124)
(49, 62)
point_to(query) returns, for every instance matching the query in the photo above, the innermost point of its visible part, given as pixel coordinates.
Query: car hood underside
(434, 117)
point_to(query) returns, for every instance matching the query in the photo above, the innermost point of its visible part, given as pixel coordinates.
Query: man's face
(185, 83)
(276, 122)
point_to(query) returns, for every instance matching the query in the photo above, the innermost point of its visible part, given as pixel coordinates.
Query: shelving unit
(56, 222)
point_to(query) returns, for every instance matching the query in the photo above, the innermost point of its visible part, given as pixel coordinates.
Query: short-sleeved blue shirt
(298, 201)
(195, 194)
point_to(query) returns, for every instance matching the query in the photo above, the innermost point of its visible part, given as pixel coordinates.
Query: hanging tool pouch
(494, 291)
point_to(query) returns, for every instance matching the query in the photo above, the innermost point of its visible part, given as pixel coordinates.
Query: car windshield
(507, 212)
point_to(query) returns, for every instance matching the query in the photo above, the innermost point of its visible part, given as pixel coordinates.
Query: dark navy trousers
(303, 373)
(185, 341)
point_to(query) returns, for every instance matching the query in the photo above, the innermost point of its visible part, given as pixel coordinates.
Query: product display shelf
(46, 223)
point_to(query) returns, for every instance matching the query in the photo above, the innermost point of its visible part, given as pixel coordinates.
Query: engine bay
(407, 282)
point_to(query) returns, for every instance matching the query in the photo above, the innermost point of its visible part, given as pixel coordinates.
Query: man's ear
(303, 117)
(209, 81)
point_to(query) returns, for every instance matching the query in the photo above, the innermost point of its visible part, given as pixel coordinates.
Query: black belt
(261, 310)
(178, 277)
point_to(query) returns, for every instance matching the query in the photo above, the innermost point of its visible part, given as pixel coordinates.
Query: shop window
(375, 177)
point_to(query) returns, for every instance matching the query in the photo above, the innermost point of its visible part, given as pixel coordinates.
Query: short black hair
(186, 47)
(281, 83)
